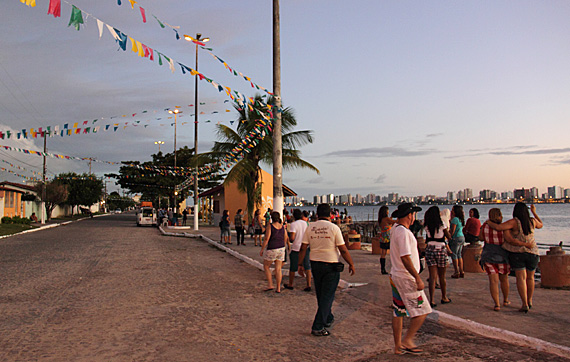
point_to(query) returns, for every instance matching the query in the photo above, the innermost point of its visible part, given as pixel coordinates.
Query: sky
(412, 97)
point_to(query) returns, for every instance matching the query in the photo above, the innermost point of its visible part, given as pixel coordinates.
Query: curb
(499, 334)
(48, 226)
(437, 316)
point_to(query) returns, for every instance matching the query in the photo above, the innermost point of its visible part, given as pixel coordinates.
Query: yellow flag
(75, 125)
(31, 3)
(141, 50)
(133, 2)
(134, 49)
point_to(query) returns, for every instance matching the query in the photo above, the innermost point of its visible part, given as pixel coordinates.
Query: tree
(154, 185)
(56, 194)
(247, 171)
(84, 189)
(116, 201)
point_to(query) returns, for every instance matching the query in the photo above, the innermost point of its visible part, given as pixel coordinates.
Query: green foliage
(246, 172)
(157, 186)
(84, 189)
(56, 194)
(16, 220)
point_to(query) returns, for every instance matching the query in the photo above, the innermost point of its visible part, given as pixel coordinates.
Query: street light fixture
(175, 112)
(198, 40)
(158, 143)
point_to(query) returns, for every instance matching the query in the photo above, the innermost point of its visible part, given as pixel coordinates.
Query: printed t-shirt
(402, 243)
(323, 237)
(458, 227)
(298, 227)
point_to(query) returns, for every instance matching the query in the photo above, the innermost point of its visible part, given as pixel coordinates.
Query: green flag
(76, 18)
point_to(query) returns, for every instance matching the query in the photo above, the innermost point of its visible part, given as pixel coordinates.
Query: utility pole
(277, 129)
(43, 219)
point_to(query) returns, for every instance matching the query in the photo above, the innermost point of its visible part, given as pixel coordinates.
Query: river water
(555, 217)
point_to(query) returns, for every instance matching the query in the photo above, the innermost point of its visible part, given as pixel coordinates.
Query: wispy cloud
(380, 179)
(513, 151)
(382, 152)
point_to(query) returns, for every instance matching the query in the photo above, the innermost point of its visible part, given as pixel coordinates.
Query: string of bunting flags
(55, 155)
(95, 126)
(141, 49)
(22, 168)
(19, 175)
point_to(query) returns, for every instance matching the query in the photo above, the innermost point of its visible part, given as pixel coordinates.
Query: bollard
(555, 268)
(376, 245)
(471, 258)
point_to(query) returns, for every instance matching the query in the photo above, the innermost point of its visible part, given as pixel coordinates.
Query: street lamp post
(175, 112)
(158, 143)
(198, 40)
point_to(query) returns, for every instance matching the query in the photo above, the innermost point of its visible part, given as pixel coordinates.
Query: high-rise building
(567, 193)
(534, 193)
(485, 195)
(555, 192)
(393, 198)
(451, 196)
(468, 194)
(316, 199)
(460, 195)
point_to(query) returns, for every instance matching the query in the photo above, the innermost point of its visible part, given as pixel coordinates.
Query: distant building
(451, 196)
(566, 193)
(467, 194)
(555, 192)
(393, 198)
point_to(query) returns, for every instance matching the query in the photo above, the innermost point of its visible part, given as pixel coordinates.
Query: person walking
(238, 224)
(296, 232)
(327, 245)
(437, 251)
(257, 227)
(225, 228)
(385, 222)
(457, 240)
(408, 294)
(523, 259)
(273, 250)
(184, 216)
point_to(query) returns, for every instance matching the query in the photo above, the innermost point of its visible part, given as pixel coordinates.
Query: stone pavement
(544, 328)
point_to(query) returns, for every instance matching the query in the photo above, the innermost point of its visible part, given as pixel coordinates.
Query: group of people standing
(508, 245)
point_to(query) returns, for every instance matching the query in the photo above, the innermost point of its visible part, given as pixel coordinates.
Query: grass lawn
(9, 229)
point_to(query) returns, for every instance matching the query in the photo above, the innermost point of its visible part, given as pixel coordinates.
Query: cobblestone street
(104, 290)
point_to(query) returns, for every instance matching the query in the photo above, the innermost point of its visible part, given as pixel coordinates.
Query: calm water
(556, 218)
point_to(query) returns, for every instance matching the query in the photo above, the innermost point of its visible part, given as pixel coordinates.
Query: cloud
(381, 152)
(380, 179)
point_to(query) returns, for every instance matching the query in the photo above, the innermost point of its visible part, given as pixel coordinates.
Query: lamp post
(198, 40)
(175, 112)
(158, 143)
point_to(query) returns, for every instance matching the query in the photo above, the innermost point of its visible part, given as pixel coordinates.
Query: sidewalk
(545, 327)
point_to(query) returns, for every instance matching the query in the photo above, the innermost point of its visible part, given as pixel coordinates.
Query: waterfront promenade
(545, 327)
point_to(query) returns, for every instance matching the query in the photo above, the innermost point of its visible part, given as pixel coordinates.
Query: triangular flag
(76, 18)
(100, 26)
(143, 14)
(54, 8)
(133, 2)
(31, 3)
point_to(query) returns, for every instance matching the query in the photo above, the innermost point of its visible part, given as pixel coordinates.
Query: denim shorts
(520, 261)
(456, 246)
(294, 262)
(225, 231)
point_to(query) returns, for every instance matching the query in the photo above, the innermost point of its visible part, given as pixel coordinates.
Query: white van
(146, 216)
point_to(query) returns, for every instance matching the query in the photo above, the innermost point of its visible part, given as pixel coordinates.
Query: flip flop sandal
(415, 351)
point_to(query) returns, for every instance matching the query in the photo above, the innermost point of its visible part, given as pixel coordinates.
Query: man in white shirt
(296, 231)
(408, 294)
(327, 245)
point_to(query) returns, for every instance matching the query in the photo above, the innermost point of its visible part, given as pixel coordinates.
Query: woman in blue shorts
(523, 259)
(457, 240)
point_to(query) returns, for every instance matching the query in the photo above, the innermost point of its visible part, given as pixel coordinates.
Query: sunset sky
(414, 97)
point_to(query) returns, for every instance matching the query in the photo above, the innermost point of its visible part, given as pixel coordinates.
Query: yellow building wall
(234, 199)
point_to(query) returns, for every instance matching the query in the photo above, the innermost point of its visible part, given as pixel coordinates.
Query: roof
(5, 185)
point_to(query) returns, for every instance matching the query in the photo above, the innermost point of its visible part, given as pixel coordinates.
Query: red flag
(143, 14)
(55, 8)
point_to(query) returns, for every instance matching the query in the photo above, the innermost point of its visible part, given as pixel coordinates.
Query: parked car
(117, 211)
(147, 216)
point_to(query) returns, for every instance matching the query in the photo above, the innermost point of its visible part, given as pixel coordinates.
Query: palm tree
(247, 171)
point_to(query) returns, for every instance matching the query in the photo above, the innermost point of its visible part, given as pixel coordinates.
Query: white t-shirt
(402, 243)
(298, 227)
(323, 237)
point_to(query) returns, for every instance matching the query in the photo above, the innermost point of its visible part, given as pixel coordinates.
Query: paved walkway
(545, 327)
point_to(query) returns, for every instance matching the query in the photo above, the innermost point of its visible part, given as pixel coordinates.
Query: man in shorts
(408, 294)
(296, 232)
